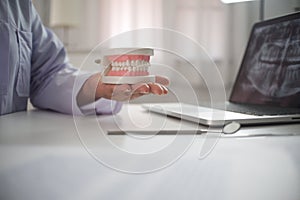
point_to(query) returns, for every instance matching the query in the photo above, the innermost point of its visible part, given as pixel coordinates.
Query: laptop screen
(270, 71)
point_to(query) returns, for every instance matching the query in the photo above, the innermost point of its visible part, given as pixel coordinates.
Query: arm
(54, 82)
(56, 85)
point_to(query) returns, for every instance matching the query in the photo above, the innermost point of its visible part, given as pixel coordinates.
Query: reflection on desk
(43, 156)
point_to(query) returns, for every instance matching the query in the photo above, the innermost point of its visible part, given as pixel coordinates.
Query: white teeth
(131, 65)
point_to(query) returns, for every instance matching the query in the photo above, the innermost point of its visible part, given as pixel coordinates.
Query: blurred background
(221, 28)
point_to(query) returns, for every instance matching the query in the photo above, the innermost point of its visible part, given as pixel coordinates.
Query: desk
(42, 157)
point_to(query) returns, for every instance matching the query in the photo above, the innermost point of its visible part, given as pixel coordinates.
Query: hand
(128, 92)
(93, 89)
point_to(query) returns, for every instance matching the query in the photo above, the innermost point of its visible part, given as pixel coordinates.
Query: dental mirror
(231, 128)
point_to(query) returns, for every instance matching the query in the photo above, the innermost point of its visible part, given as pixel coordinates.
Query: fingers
(138, 90)
(129, 92)
(154, 88)
(162, 80)
(126, 92)
(157, 89)
(141, 88)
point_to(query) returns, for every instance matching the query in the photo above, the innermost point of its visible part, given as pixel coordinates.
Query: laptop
(267, 87)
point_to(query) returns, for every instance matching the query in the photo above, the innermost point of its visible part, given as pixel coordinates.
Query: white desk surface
(42, 157)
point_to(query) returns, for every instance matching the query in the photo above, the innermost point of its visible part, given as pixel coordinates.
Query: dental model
(127, 66)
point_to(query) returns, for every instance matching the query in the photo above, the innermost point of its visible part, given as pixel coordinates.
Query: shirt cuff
(99, 107)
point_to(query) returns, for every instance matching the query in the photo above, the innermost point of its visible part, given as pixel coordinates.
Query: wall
(222, 30)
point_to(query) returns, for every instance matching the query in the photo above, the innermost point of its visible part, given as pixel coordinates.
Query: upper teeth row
(132, 63)
(131, 69)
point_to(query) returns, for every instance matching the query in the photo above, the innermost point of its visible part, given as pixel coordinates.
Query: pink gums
(123, 58)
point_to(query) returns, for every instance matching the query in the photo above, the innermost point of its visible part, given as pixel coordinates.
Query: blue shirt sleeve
(54, 82)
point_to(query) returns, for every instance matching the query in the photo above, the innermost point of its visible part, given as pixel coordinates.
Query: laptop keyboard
(260, 110)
